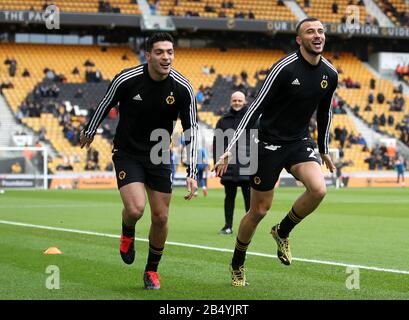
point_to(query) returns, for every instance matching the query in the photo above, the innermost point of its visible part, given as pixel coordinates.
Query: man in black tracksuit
(232, 178)
(299, 84)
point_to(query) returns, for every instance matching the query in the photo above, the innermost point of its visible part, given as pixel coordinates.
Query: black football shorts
(272, 159)
(139, 168)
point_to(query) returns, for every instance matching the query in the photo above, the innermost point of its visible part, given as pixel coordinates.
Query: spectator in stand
(93, 155)
(405, 69)
(391, 151)
(398, 89)
(200, 96)
(371, 162)
(382, 120)
(107, 131)
(205, 70)
(152, 8)
(360, 139)
(12, 67)
(42, 133)
(89, 63)
(352, 139)
(54, 91)
(244, 75)
(372, 84)
(380, 98)
(91, 166)
(6, 85)
(25, 73)
(398, 72)
(337, 133)
(209, 8)
(343, 136)
(356, 110)
(109, 167)
(371, 97)
(221, 111)
(391, 120)
(334, 7)
(98, 76)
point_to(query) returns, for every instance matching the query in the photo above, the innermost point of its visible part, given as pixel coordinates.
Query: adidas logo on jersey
(137, 97)
(296, 82)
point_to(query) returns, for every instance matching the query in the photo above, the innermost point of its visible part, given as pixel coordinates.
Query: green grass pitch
(365, 227)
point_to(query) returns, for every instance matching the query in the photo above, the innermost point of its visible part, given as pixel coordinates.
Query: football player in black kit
(297, 85)
(150, 97)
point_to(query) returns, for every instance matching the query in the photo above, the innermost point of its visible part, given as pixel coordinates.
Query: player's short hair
(310, 19)
(156, 37)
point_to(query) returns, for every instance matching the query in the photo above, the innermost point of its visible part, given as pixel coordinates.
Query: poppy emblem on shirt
(170, 99)
(122, 175)
(324, 84)
(257, 180)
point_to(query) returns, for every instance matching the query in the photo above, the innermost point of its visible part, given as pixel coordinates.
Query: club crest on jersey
(170, 99)
(324, 84)
(122, 175)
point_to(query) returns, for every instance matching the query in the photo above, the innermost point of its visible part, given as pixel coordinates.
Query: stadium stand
(231, 62)
(352, 68)
(62, 60)
(332, 11)
(396, 10)
(114, 6)
(244, 9)
(190, 62)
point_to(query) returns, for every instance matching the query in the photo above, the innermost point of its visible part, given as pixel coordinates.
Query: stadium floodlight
(23, 167)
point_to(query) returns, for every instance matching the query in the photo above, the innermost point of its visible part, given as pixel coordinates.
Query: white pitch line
(332, 263)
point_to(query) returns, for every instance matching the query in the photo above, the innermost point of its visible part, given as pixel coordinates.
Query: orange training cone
(53, 250)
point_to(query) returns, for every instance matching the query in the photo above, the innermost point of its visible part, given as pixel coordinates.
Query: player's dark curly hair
(156, 37)
(310, 19)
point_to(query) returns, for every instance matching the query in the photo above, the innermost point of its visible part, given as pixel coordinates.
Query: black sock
(128, 231)
(288, 223)
(153, 258)
(239, 254)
